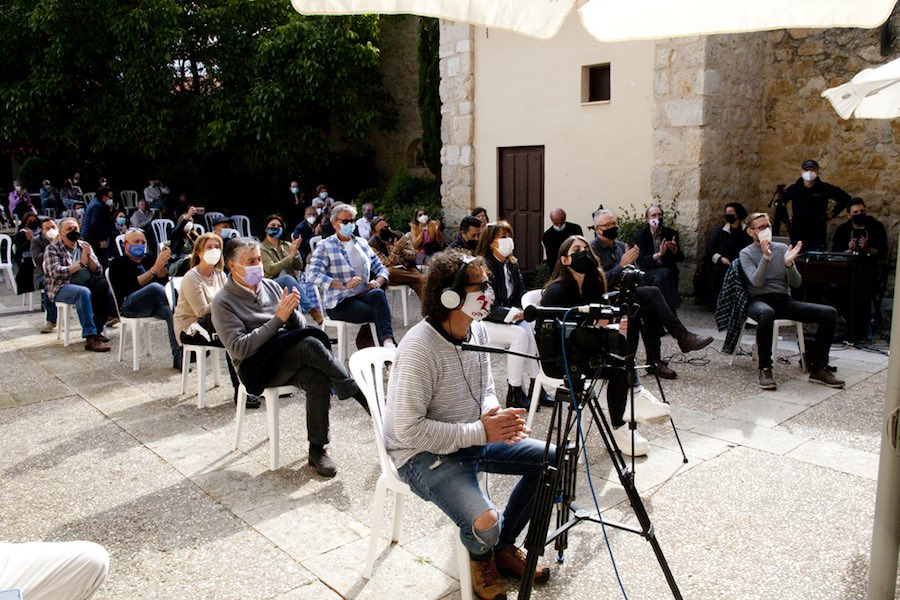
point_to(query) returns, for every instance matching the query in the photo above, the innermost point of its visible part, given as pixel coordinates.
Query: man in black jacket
(810, 196)
(559, 232)
(660, 254)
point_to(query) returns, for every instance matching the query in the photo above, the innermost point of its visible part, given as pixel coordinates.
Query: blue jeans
(307, 295)
(370, 306)
(82, 298)
(151, 301)
(450, 481)
(49, 307)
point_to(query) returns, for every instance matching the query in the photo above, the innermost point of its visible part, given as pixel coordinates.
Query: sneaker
(516, 397)
(661, 370)
(622, 437)
(94, 344)
(767, 380)
(48, 327)
(646, 407)
(824, 376)
(510, 561)
(321, 462)
(486, 580)
(690, 342)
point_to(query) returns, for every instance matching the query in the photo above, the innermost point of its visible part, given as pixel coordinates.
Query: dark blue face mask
(275, 233)
(137, 250)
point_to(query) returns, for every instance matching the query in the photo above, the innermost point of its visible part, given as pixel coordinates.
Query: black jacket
(727, 242)
(553, 239)
(810, 211)
(874, 231)
(643, 239)
(503, 303)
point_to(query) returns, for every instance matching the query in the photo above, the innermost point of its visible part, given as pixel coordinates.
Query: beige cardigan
(195, 299)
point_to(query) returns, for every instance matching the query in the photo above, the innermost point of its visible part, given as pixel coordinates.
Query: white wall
(528, 93)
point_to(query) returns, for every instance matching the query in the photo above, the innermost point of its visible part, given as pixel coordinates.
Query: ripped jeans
(451, 482)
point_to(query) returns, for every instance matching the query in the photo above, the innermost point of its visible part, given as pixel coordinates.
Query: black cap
(222, 219)
(810, 164)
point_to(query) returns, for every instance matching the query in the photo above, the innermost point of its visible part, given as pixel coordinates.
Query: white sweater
(436, 394)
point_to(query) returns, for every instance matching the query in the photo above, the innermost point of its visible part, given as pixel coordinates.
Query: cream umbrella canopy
(615, 20)
(871, 94)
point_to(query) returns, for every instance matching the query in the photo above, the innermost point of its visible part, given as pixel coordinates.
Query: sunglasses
(345, 221)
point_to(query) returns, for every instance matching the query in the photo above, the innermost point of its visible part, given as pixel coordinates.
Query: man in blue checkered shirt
(352, 276)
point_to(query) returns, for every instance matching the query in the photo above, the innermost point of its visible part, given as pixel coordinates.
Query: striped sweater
(436, 394)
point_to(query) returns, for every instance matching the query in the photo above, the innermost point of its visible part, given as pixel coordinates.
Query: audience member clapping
(426, 236)
(282, 262)
(308, 228)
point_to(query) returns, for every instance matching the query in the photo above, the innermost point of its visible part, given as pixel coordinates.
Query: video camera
(587, 347)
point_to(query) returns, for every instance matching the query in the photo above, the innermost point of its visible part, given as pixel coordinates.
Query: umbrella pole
(886, 531)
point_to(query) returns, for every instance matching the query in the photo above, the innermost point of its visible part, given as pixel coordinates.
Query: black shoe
(516, 398)
(321, 462)
(252, 401)
(662, 370)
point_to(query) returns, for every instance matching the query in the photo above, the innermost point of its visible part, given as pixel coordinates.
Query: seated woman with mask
(282, 262)
(578, 279)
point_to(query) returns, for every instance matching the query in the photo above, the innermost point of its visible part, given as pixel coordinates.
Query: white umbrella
(871, 94)
(617, 20)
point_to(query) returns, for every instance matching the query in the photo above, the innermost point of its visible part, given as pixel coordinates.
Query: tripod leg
(662, 395)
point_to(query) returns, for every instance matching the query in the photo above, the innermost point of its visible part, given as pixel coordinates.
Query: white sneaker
(646, 407)
(622, 437)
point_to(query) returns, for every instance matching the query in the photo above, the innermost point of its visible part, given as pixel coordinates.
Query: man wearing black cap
(810, 197)
(224, 227)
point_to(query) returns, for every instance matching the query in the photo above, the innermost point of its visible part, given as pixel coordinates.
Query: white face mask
(212, 256)
(323, 195)
(765, 235)
(52, 234)
(505, 246)
(808, 176)
(477, 305)
(318, 211)
(422, 219)
(310, 220)
(654, 223)
(110, 202)
(295, 190)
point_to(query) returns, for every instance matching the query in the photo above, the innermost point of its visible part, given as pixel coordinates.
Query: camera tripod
(557, 481)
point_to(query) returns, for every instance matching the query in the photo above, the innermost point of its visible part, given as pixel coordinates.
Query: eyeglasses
(761, 227)
(345, 221)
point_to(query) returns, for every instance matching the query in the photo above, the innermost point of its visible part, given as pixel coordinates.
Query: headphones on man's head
(453, 297)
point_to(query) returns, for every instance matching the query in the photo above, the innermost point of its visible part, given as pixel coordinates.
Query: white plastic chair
(779, 323)
(63, 316)
(6, 265)
(530, 298)
(120, 244)
(88, 198)
(199, 228)
(129, 199)
(341, 328)
(272, 396)
(367, 368)
(209, 217)
(242, 224)
(28, 300)
(404, 291)
(161, 229)
(314, 241)
(137, 324)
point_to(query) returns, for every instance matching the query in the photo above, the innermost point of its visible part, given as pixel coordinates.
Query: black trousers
(766, 308)
(654, 312)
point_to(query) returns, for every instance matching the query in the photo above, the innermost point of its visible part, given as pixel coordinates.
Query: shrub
(33, 171)
(404, 194)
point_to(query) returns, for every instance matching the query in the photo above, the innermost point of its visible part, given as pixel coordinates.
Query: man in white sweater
(443, 423)
(769, 268)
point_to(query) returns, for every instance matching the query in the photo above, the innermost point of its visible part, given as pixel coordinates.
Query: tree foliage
(429, 93)
(242, 84)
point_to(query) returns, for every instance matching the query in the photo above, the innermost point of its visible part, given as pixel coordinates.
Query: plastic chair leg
(272, 418)
(375, 529)
(404, 300)
(801, 342)
(239, 411)
(185, 366)
(135, 345)
(399, 501)
(465, 576)
(201, 378)
(217, 371)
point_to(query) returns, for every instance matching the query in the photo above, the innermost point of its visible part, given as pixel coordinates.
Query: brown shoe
(486, 580)
(48, 327)
(102, 338)
(690, 342)
(511, 562)
(662, 370)
(112, 321)
(316, 314)
(93, 344)
(364, 337)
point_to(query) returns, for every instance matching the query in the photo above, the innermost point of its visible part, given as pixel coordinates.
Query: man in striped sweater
(443, 423)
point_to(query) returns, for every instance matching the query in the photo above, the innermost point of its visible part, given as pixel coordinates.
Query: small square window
(595, 83)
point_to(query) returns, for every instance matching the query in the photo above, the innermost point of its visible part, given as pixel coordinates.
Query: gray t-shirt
(768, 276)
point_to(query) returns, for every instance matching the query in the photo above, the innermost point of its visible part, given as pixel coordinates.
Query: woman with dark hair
(480, 214)
(578, 279)
(505, 324)
(22, 250)
(282, 262)
(726, 244)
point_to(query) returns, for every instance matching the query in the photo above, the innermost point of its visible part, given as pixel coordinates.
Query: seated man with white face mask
(769, 269)
(138, 282)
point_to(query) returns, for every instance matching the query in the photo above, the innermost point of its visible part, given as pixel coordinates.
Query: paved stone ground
(776, 501)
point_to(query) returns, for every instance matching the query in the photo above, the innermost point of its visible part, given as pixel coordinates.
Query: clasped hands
(505, 425)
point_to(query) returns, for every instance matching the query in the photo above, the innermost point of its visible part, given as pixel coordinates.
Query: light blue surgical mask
(559, 227)
(120, 220)
(274, 232)
(347, 229)
(137, 250)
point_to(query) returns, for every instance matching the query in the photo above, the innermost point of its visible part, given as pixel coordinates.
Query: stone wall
(457, 121)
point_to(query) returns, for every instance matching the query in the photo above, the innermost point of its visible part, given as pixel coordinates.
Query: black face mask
(582, 262)
(859, 219)
(471, 244)
(730, 219)
(611, 233)
(73, 236)
(385, 234)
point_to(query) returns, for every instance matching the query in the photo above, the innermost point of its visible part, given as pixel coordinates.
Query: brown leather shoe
(662, 369)
(690, 342)
(94, 344)
(486, 580)
(316, 314)
(48, 327)
(102, 338)
(511, 562)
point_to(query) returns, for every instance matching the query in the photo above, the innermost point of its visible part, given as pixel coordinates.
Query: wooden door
(521, 194)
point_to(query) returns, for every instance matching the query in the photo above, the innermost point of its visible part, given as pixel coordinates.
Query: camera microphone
(595, 311)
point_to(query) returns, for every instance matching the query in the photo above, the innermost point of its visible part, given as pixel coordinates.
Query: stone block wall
(457, 120)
